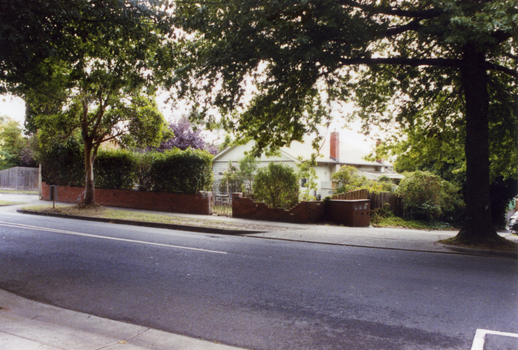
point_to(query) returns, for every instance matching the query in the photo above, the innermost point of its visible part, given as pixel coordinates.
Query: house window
(303, 182)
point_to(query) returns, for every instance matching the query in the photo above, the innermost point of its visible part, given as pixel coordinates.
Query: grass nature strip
(2, 203)
(120, 214)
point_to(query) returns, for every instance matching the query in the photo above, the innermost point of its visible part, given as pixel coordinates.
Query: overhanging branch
(508, 71)
(387, 10)
(412, 26)
(402, 61)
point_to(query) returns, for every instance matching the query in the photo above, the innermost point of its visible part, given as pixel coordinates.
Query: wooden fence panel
(20, 178)
(377, 200)
(394, 200)
(353, 195)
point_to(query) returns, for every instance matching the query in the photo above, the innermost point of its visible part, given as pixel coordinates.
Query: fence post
(53, 193)
(40, 188)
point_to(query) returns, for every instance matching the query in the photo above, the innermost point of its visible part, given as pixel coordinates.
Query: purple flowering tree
(185, 136)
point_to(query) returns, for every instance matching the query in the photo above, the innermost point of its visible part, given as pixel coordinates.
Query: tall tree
(435, 144)
(99, 77)
(303, 54)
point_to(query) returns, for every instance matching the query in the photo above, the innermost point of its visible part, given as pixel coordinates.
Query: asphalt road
(258, 294)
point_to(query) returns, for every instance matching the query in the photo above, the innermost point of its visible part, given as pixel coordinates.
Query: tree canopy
(99, 76)
(33, 31)
(301, 55)
(15, 149)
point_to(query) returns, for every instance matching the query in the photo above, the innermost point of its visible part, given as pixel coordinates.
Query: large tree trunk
(478, 226)
(89, 174)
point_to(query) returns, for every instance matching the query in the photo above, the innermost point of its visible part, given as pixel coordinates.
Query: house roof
(348, 154)
(236, 153)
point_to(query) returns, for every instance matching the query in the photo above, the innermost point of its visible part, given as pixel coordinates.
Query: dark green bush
(116, 169)
(144, 162)
(188, 171)
(63, 163)
(277, 185)
(428, 197)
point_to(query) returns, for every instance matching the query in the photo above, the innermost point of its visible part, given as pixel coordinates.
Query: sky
(14, 107)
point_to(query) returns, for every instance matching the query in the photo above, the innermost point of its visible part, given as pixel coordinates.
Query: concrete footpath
(28, 325)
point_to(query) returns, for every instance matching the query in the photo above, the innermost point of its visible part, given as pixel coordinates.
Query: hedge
(115, 169)
(63, 164)
(186, 171)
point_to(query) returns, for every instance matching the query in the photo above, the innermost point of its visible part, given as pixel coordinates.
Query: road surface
(255, 293)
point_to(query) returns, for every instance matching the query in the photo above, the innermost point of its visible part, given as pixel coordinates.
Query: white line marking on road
(38, 228)
(480, 337)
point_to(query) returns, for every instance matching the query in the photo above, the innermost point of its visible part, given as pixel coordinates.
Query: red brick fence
(344, 212)
(133, 199)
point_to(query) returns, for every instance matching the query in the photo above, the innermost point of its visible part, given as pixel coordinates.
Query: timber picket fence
(20, 178)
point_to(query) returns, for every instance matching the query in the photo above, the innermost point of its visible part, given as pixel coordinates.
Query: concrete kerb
(483, 252)
(448, 249)
(200, 229)
(454, 249)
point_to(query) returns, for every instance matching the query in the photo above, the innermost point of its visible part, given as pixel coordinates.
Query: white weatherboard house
(333, 155)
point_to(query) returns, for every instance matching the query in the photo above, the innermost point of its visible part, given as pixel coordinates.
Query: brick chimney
(335, 146)
(378, 158)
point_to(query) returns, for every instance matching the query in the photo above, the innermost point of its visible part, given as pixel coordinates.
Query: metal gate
(222, 204)
(222, 197)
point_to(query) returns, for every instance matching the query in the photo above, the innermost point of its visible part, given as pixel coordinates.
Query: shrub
(384, 184)
(308, 175)
(115, 169)
(246, 174)
(347, 179)
(428, 197)
(277, 186)
(379, 214)
(63, 163)
(231, 180)
(186, 171)
(240, 178)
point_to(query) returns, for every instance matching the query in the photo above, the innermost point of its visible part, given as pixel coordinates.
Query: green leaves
(241, 177)
(116, 169)
(279, 49)
(277, 185)
(272, 66)
(101, 77)
(11, 143)
(62, 163)
(188, 171)
(307, 173)
(428, 197)
(68, 30)
(347, 179)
